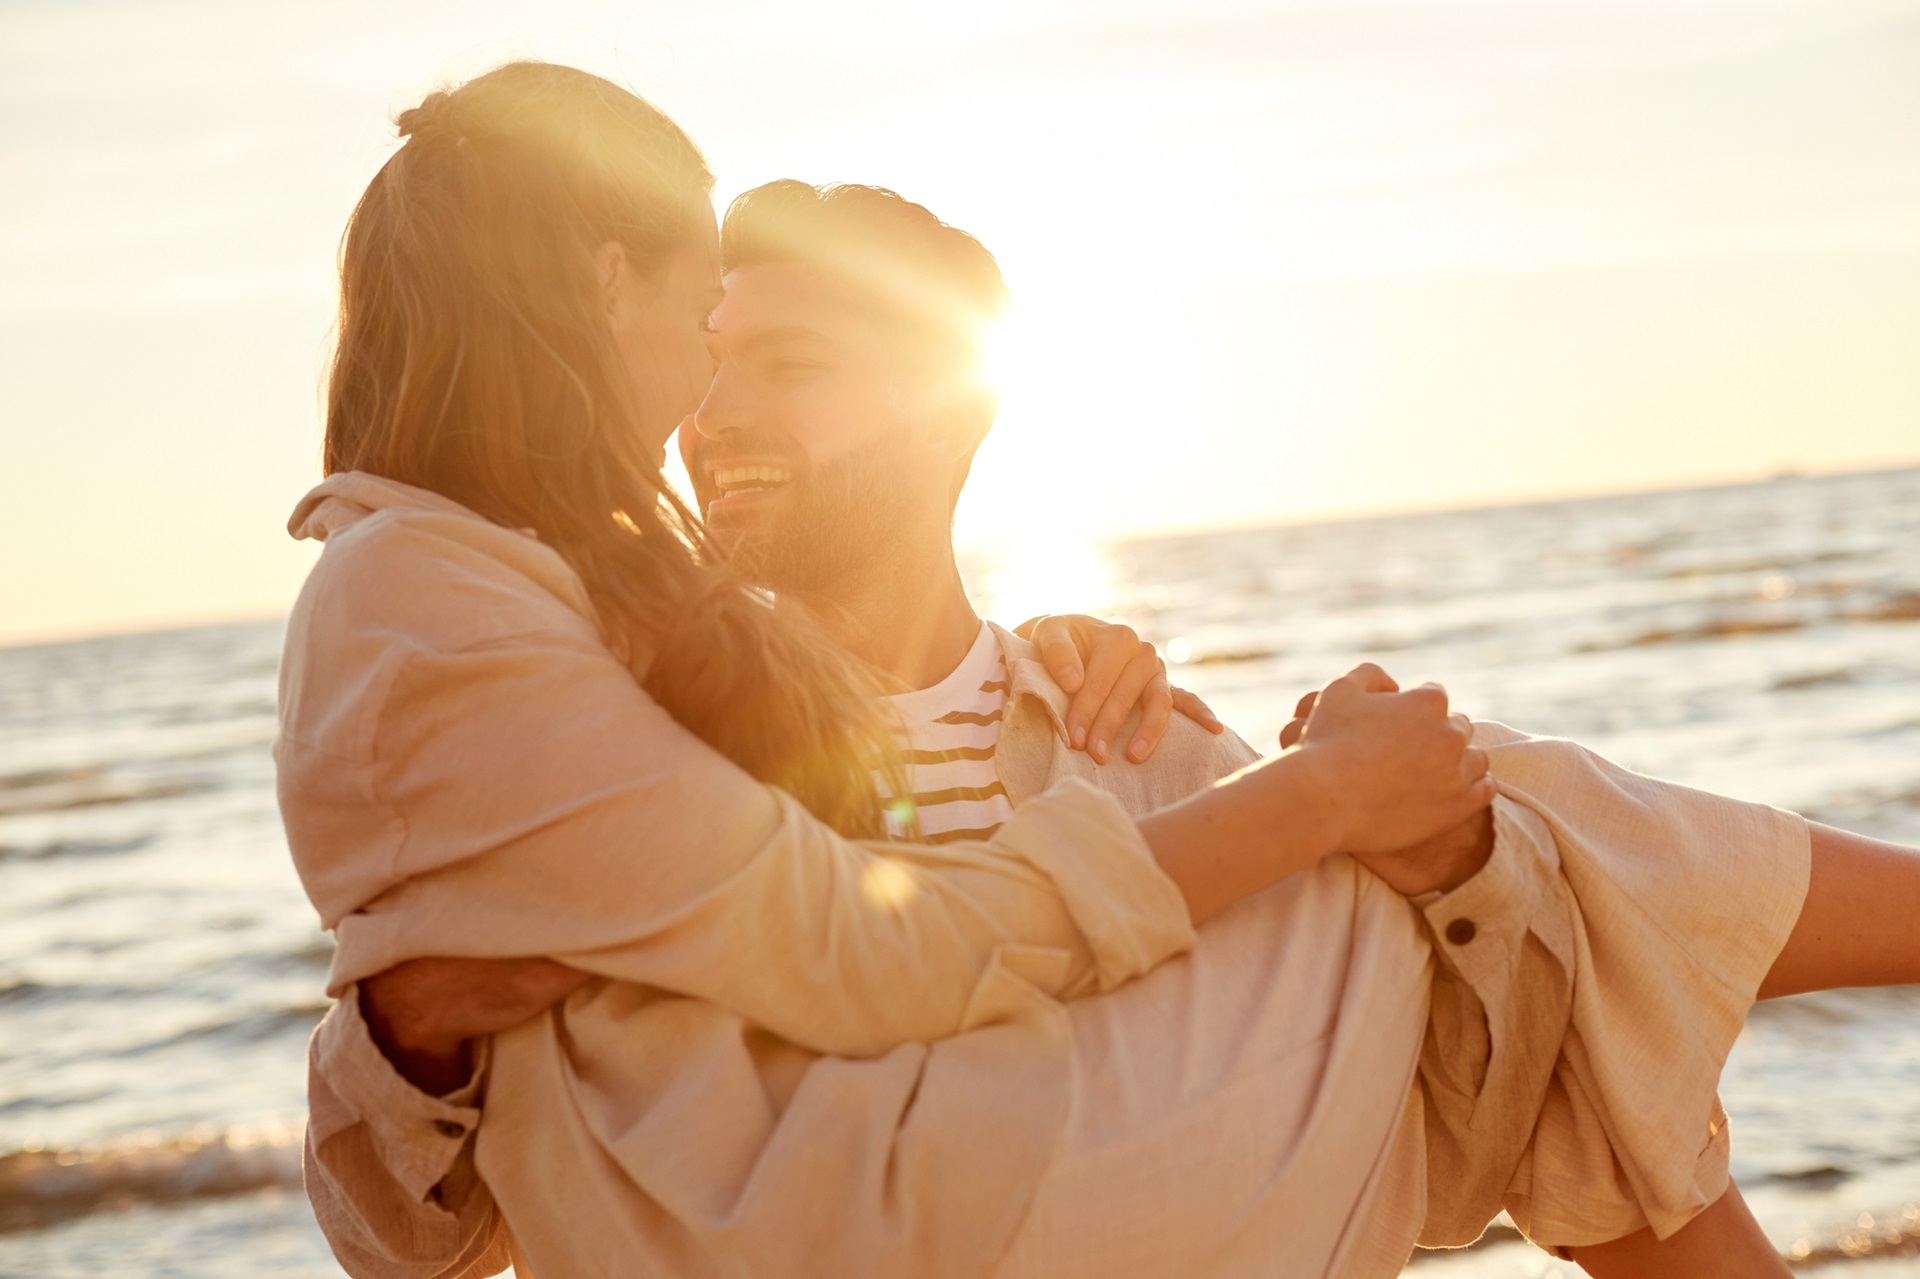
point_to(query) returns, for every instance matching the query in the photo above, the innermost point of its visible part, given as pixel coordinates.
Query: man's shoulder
(1198, 757)
(1226, 751)
(1188, 758)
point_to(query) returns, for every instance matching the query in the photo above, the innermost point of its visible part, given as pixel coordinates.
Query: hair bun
(431, 114)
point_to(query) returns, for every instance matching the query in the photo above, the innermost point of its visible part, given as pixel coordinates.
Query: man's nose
(723, 411)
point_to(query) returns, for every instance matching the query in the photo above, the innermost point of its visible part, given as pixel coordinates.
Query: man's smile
(749, 479)
(737, 486)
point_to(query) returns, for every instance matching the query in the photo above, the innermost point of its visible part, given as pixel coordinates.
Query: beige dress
(797, 1071)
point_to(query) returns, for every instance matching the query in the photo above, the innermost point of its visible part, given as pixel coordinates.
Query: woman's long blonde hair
(473, 358)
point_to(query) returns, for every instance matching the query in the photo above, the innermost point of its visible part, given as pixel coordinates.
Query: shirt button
(1461, 931)
(448, 1128)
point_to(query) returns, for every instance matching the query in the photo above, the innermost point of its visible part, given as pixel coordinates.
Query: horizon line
(54, 636)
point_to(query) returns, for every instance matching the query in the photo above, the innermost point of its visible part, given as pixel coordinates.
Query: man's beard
(837, 521)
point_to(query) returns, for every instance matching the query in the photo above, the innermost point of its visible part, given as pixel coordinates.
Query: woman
(469, 767)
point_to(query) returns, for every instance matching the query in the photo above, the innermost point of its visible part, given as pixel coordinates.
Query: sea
(160, 970)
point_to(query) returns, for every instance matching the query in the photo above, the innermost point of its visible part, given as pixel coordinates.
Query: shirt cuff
(1129, 911)
(417, 1136)
(1479, 928)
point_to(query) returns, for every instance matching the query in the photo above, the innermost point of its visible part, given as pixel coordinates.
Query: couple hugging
(721, 896)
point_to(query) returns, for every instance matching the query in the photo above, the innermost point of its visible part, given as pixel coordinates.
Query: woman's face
(659, 321)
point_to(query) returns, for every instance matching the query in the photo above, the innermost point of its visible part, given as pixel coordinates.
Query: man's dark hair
(934, 279)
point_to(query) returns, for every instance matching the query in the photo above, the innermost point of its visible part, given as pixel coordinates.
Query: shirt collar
(1027, 677)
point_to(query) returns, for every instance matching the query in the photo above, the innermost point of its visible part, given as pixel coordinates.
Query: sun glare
(888, 884)
(1045, 571)
(997, 354)
(1027, 555)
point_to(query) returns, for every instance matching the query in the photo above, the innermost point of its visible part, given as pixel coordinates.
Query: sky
(1271, 261)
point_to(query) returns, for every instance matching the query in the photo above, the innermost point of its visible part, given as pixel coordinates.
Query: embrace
(718, 894)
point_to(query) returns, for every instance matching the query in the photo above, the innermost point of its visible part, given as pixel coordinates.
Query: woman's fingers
(1110, 671)
(1476, 789)
(1059, 652)
(1290, 735)
(1112, 650)
(1190, 705)
(1304, 707)
(1369, 678)
(1156, 712)
(1430, 698)
(1133, 681)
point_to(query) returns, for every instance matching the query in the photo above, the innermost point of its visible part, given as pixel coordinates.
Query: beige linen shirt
(464, 769)
(1572, 1051)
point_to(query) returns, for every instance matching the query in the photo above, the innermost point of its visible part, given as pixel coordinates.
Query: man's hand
(1437, 865)
(1440, 863)
(1108, 670)
(425, 1013)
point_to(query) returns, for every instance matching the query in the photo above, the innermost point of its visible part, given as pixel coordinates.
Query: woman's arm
(466, 771)
(1380, 766)
(1377, 773)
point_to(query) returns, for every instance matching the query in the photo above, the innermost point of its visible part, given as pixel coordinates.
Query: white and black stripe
(952, 731)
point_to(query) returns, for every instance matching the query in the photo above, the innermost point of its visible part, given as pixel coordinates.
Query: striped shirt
(952, 730)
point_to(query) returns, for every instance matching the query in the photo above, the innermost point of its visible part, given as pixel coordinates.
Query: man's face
(816, 445)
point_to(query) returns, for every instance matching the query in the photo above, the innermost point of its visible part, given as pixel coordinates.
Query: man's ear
(961, 420)
(611, 265)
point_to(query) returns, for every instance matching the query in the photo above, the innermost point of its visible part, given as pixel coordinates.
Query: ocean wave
(59, 790)
(27, 991)
(76, 848)
(1717, 628)
(40, 1186)
(1904, 607)
(1865, 1238)
(295, 1019)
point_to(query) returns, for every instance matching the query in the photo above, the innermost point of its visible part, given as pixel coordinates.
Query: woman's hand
(425, 1014)
(1412, 790)
(1439, 863)
(1108, 669)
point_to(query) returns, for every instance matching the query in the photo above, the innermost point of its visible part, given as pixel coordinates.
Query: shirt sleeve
(528, 798)
(388, 1168)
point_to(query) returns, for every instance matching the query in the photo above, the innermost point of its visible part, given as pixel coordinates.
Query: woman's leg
(1724, 1242)
(1857, 926)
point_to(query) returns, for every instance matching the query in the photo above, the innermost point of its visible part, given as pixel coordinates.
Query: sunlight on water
(1043, 574)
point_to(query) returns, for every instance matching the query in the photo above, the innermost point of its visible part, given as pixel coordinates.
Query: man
(846, 407)
(845, 410)
(830, 451)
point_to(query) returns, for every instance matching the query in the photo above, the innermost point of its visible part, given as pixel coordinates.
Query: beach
(160, 969)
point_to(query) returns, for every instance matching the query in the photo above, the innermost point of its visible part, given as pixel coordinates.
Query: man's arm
(388, 1168)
